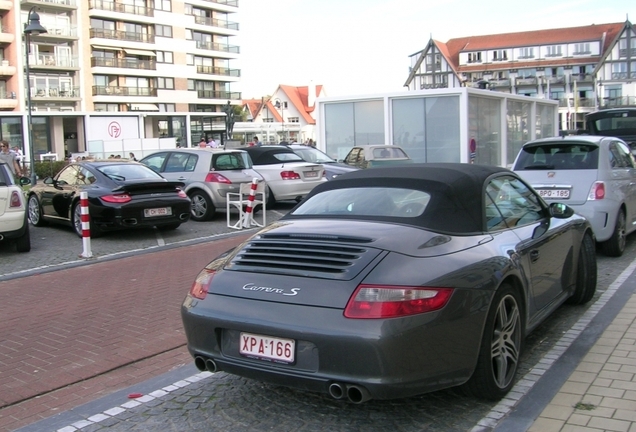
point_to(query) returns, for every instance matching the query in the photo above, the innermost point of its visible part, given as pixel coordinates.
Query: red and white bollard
(86, 227)
(248, 218)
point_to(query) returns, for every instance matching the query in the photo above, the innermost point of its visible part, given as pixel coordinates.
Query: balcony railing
(53, 61)
(587, 78)
(619, 102)
(55, 93)
(120, 7)
(433, 86)
(526, 81)
(213, 46)
(123, 63)
(216, 22)
(123, 91)
(212, 70)
(7, 94)
(619, 75)
(224, 2)
(623, 52)
(60, 31)
(122, 35)
(500, 83)
(560, 79)
(433, 67)
(70, 3)
(215, 94)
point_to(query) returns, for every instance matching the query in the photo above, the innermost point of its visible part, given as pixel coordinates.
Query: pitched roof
(606, 33)
(298, 96)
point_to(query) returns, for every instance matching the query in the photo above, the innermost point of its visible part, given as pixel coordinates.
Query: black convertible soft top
(456, 189)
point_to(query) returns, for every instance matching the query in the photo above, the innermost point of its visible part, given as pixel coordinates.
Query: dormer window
(553, 51)
(582, 49)
(499, 55)
(526, 53)
(474, 57)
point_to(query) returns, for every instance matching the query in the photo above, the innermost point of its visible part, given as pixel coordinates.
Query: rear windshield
(557, 156)
(615, 124)
(131, 171)
(231, 161)
(371, 201)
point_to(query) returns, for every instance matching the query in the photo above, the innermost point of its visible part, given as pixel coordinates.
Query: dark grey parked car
(333, 168)
(391, 282)
(209, 174)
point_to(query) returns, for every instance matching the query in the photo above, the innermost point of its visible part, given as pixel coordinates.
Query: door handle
(181, 178)
(534, 255)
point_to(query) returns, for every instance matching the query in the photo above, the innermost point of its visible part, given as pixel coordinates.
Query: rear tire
(271, 199)
(500, 349)
(35, 211)
(615, 246)
(77, 223)
(23, 243)
(585, 273)
(202, 208)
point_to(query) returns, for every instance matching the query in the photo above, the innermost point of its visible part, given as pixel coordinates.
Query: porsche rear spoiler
(149, 186)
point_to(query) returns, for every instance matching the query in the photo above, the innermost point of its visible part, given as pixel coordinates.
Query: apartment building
(585, 68)
(114, 70)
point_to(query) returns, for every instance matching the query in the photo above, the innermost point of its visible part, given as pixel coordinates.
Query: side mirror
(49, 181)
(24, 181)
(560, 211)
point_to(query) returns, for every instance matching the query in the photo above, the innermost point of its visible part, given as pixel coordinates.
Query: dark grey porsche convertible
(392, 282)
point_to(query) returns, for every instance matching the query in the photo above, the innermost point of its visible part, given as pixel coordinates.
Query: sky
(359, 47)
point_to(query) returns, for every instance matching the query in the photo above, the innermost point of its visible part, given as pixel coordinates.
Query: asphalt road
(225, 402)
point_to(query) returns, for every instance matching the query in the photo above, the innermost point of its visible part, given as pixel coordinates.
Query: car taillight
(216, 178)
(116, 199)
(289, 175)
(15, 199)
(202, 284)
(182, 194)
(597, 191)
(385, 301)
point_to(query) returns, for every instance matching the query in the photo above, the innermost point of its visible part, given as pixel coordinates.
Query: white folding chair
(240, 201)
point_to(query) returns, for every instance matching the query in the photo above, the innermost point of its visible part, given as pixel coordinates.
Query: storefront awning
(139, 52)
(143, 107)
(106, 48)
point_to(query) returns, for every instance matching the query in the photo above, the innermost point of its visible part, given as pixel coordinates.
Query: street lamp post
(33, 27)
(279, 105)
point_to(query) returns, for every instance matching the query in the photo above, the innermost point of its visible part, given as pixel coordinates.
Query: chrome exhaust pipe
(337, 390)
(184, 216)
(1, 237)
(357, 394)
(199, 362)
(210, 365)
(131, 221)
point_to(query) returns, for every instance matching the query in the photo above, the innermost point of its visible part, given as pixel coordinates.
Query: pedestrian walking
(10, 158)
(255, 142)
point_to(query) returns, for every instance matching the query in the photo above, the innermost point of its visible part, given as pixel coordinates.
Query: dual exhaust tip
(354, 393)
(204, 364)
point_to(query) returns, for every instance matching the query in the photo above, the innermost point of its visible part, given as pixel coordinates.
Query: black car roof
(264, 155)
(456, 191)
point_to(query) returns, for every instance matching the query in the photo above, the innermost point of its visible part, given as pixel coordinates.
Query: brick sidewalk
(600, 395)
(74, 335)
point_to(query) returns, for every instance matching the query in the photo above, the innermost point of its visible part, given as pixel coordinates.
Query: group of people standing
(211, 143)
(12, 157)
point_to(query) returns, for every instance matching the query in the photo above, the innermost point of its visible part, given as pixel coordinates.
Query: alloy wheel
(506, 341)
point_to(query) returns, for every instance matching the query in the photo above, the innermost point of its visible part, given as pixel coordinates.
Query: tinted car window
(155, 161)
(67, 176)
(85, 177)
(557, 156)
(231, 161)
(311, 154)
(179, 162)
(510, 203)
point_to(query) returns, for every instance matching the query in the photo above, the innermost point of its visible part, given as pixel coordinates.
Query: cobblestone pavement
(225, 402)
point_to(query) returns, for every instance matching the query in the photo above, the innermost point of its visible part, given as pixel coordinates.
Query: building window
(164, 57)
(166, 107)
(191, 84)
(268, 120)
(527, 73)
(499, 55)
(106, 107)
(526, 53)
(293, 120)
(582, 49)
(165, 83)
(164, 5)
(553, 51)
(474, 57)
(619, 70)
(163, 30)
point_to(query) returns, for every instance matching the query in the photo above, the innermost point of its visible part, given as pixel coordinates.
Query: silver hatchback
(594, 175)
(209, 174)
